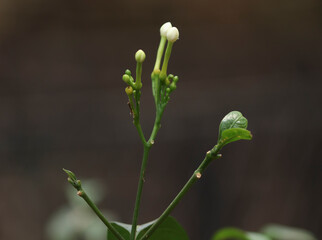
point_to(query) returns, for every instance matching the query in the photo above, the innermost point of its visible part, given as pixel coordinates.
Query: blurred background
(62, 104)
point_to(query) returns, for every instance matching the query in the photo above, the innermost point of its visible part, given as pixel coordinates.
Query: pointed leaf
(169, 229)
(122, 228)
(234, 134)
(233, 119)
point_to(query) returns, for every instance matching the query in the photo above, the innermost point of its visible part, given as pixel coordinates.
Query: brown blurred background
(62, 104)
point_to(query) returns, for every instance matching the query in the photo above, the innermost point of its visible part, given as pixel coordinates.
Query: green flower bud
(173, 86)
(126, 78)
(140, 56)
(128, 72)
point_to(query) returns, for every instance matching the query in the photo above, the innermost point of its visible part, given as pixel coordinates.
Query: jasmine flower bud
(126, 78)
(164, 28)
(173, 34)
(140, 56)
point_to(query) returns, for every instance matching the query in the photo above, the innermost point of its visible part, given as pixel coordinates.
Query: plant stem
(147, 147)
(211, 155)
(139, 191)
(82, 194)
(139, 129)
(166, 58)
(160, 53)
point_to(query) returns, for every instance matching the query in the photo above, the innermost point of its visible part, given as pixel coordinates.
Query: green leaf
(234, 134)
(280, 232)
(168, 230)
(230, 233)
(122, 228)
(233, 119)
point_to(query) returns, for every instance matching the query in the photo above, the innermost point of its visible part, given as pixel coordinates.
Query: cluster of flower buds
(162, 83)
(129, 80)
(171, 33)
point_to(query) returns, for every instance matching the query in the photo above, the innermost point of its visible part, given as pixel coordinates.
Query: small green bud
(129, 90)
(167, 82)
(70, 174)
(140, 56)
(176, 79)
(126, 78)
(168, 90)
(170, 76)
(128, 72)
(173, 86)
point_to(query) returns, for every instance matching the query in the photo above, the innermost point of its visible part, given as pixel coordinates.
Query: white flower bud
(140, 56)
(164, 28)
(173, 34)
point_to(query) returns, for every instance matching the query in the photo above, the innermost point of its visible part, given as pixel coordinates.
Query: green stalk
(167, 55)
(160, 53)
(211, 155)
(82, 194)
(139, 191)
(147, 147)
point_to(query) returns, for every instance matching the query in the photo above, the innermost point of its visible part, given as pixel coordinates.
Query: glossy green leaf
(122, 228)
(233, 119)
(170, 229)
(230, 234)
(234, 134)
(280, 232)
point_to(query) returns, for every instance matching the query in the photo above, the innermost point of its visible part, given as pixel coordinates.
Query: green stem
(160, 52)
(167, 55)
(147, 147)
(157, 125)
(82, 194)
(139, 129)
(138, 82)
(139, 191)
(211, 155)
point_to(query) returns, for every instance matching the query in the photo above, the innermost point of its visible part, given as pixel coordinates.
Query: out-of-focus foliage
(76, 219)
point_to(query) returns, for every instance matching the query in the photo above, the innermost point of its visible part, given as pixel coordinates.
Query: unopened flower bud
(129, 90)
(173, 86)
(167, 81)
(128, 72)
(164, 29)
(126, 78)
(140, 56)
(173, 34)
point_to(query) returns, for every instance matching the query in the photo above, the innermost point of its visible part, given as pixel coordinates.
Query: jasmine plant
(232, 128)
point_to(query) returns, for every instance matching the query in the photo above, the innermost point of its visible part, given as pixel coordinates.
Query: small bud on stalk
(164, 29)
(129, 90)
(140, 56)
(173, 34)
